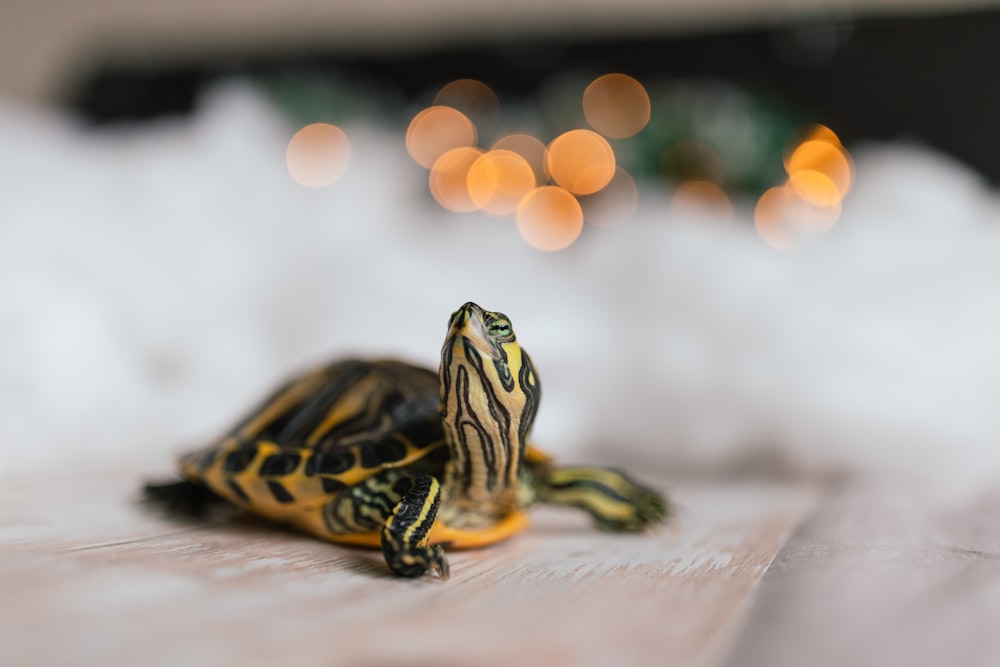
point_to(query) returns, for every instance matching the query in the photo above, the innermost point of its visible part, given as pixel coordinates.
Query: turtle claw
(416, 562)
(439, 562)
(648, 507)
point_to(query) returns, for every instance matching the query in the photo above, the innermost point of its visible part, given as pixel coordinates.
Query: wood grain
(885, 572)
(91, 577)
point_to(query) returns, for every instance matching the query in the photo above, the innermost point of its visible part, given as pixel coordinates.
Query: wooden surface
(883, 573)
(89, 577)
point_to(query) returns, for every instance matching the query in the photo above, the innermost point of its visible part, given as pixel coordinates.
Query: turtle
(386, 454)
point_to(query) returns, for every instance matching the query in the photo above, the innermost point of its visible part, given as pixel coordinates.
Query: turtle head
(490, 334)
(489, 397)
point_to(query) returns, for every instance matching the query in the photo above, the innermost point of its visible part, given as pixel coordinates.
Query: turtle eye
(499, 327)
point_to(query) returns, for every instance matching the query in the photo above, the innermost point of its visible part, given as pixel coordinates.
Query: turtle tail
(184, 497)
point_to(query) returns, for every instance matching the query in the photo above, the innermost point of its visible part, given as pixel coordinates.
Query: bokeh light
(615, 204)
(818, 132)
(771, 220)
(820, 174)
(553, 190)
(318, 155)
(549, 218)
(815, 187)
(528, 147)
(581, 161)
(782, 217)
(823, 157)
(473, 98)
(436, 130)
(448, 179)
(702, 197)
(498, 180)
(616, 105)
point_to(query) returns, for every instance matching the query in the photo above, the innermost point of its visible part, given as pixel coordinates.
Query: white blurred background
(159, 274)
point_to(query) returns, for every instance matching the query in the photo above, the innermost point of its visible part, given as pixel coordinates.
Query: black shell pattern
(324, 431)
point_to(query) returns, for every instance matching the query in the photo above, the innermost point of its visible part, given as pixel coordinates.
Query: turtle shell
(323, 432)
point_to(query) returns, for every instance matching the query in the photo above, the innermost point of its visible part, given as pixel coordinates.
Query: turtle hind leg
(616, 502)
(184, 497)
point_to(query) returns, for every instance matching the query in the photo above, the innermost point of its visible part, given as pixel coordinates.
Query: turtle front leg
(402, 507)
(405, 533)
(616, 502)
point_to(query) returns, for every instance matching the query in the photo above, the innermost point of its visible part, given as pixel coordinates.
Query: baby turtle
(391, 455)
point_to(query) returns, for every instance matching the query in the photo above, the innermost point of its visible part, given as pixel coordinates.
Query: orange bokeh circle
(581, 161)
(318, 155)
(549, 218)
(436, 130)
(616, 105)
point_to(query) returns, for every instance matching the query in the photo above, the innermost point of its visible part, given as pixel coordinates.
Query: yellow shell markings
(282, 403)
(351, 404)
(300, 485)
(307, 490)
